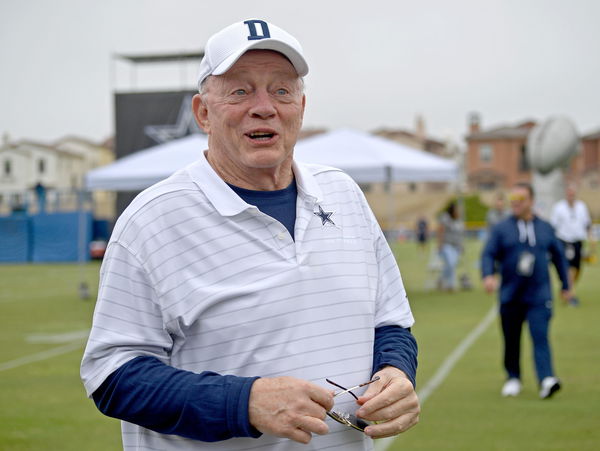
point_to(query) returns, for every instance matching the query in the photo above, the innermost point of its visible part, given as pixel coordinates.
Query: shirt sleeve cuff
(238, 417)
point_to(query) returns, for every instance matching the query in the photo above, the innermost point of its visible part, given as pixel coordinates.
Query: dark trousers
(512, 315)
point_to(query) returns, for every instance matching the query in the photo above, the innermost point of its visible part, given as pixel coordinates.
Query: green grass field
(43, 405)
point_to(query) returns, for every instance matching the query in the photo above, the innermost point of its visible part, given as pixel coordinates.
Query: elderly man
(521, 246)
(231, 290)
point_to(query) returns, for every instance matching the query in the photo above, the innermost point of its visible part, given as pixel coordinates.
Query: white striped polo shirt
(205, 282)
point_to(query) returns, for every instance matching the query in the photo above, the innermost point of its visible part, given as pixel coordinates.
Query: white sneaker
(512, 387)
(549, 386)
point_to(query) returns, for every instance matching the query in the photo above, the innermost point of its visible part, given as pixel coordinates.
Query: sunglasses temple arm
(356, 386)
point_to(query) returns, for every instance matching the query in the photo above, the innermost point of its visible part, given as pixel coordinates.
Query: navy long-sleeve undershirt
(209, 406)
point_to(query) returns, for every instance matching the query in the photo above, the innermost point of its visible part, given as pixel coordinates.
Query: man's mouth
(260, 136)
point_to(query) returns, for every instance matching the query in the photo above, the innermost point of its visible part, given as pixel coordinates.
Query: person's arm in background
(488, 260)
(440, 234)
(591, 239)
(559, 260)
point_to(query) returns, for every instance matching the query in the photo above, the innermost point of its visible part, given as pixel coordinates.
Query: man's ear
(200, 113)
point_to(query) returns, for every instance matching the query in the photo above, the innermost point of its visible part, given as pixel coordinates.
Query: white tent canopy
(143, 168)
(366, 158)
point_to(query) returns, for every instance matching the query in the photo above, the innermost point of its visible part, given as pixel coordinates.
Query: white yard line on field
(445, 368)
(41, 355)
(66, 337)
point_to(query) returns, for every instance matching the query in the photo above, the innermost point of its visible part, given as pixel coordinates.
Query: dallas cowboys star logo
(184, 125)
(325, 216)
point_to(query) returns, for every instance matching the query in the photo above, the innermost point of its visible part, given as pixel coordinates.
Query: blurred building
(585, 167)
(29, 170)
(496, 157)
(416, 139)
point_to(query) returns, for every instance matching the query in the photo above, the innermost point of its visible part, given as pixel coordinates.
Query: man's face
(520, 202)
(252, 113)
(571, 194)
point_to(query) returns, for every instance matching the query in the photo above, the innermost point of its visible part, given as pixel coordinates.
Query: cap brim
(266, 44)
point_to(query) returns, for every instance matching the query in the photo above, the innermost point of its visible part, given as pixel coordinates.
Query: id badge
(525, 264)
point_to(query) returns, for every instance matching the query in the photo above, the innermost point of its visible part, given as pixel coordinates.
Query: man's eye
(239, 92)
(282, 92)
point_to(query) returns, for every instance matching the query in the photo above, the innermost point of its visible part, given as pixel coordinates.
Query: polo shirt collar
(227, 202)
(223, 198)
(305, 181)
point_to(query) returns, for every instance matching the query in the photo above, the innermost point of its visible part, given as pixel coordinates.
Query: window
(523, 162)
(41, 166)
(486, 152)
(486, 186)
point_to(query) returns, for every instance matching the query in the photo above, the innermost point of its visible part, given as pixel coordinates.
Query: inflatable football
(551, 144)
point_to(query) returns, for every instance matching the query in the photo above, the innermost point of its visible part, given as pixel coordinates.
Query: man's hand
(289, 407)
(391, 400)
(566, 295)
(490, 283)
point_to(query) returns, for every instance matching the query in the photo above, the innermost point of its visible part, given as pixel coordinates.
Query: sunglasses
(348, 419)
(517, 197)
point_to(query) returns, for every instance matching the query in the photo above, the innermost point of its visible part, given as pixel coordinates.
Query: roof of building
(162, 57)
(518, 131)
(591, 136)
(25, 146)
(397, 132)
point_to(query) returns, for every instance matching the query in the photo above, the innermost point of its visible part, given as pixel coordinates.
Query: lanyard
(526, 232)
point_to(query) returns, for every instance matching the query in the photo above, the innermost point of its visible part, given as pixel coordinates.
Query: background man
(572, 224)
(496, 213)
(232, 289)
(521, 245)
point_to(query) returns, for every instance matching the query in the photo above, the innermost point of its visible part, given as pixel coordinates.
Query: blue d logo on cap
(253, 32)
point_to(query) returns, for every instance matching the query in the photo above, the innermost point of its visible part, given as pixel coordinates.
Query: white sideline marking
(67, 337)
(41, 355)
(445, 368)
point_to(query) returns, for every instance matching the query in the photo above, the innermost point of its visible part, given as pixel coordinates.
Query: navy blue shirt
(505, 246)
(279, 204)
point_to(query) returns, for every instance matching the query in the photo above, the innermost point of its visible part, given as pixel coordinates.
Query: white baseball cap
(225, 47)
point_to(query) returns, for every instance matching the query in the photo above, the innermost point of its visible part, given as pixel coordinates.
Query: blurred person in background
(422, 232)
(450, 244)
(573, 225)
(521, 247)
(496, 213)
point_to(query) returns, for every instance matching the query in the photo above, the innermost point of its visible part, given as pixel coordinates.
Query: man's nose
(262, 105)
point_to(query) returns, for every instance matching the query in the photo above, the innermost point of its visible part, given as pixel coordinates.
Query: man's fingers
(298, 435)
(289, 407)
(396, 390)
(393, 427)
(322, 397)
(373, 390)
(314, 425)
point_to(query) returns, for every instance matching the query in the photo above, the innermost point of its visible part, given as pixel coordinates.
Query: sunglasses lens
(348, 419)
